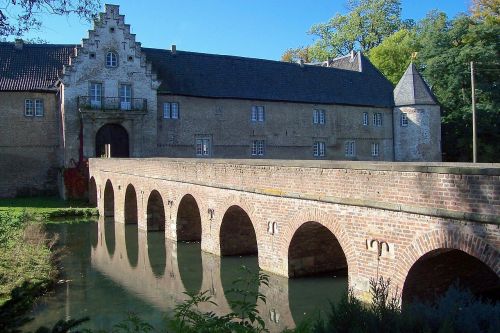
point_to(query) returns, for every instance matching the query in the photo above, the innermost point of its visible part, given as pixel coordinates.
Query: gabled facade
(111, 96)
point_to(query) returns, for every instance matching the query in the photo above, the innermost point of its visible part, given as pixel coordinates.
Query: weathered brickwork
(411, 209)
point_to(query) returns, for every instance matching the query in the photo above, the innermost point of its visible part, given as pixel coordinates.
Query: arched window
(111, 59)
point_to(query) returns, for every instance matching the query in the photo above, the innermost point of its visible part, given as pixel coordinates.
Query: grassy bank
(46, 207)
(26, 252)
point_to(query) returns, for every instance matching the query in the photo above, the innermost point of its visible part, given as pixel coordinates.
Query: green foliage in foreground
(457, 311)
(25, 255)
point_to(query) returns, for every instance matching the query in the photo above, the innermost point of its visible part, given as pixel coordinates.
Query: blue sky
(251, 28)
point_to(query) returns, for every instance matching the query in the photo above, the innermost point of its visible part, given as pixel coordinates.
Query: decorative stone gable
(111, 59)
(110, 34)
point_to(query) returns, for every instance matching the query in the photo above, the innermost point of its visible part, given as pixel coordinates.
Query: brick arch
(190, 232)
(249, 209)
(109, 203)
(445, 239)
(130, 204)
(327, 220)
(92, 191)
(156, 215)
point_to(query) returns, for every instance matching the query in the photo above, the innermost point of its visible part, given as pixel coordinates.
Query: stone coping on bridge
(462, 168)
(460, 191)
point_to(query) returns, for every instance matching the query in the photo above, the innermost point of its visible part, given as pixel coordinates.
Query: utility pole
(474, 146)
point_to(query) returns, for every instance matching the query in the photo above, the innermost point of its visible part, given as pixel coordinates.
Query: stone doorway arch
(116, 136)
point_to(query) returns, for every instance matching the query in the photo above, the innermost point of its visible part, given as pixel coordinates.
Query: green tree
(486, 10)
(394, 54)
(20, 16)
(446, 49)
(366, 25)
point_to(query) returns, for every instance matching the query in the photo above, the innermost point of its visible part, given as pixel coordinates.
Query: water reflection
(156, 251)
(109, 234)
(190, 265)
(106, 285)
(231, 271)
(132, 241)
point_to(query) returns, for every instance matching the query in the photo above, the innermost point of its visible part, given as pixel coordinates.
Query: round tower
(417, 120)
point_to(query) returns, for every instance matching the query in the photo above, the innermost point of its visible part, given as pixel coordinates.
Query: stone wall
(288, 129)
(29, 146)
(110, 33)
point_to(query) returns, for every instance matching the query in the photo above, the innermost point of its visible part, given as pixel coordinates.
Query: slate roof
(208, 75)
(35, 67)
(412, 89)
(352, 62)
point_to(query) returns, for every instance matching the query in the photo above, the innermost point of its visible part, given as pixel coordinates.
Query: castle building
(62, 104)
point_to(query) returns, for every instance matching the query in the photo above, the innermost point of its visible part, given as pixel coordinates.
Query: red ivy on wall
(76, 180)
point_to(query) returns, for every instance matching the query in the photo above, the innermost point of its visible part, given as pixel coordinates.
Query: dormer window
(111, 59)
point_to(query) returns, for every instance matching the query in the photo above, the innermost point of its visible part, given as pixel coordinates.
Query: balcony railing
(86, 103)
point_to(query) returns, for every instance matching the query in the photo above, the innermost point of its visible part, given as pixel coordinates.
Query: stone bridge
(422, 225)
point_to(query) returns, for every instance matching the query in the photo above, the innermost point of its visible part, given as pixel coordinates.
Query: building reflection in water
(165, 269)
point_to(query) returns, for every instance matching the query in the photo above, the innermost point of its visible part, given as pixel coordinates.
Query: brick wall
(410, 209)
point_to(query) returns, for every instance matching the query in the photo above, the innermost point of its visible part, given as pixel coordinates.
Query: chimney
(352, 55)
(301, 62)
(18, 44)
(174, 49)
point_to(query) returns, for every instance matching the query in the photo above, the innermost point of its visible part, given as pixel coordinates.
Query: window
(125, 96)
(257, 113)
(33, 107)
(319, 149)
(318, 116)
(203, 147)
(258, 147)
(28, 108)
(404, 119)
(375, 149)
(95, 95)
(377, 119)
(171, 110)
(350, 148)
(38, 108)
(365, 119)
(111, 59)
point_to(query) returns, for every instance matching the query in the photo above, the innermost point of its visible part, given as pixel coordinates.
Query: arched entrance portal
(432, 274)
(114, 135)
(237, 235)
(188, 220)
(315, 250)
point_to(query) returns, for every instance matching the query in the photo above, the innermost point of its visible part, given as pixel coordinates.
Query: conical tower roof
(412, 89)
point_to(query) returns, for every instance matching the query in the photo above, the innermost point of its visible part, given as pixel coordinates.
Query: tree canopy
(17, 17)
(442, 48)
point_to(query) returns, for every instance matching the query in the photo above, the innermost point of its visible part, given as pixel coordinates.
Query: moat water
(111, 269)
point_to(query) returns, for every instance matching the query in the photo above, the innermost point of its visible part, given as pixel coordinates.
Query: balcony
(112, 104)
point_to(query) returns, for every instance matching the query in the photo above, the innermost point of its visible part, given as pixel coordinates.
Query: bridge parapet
(450, 190)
